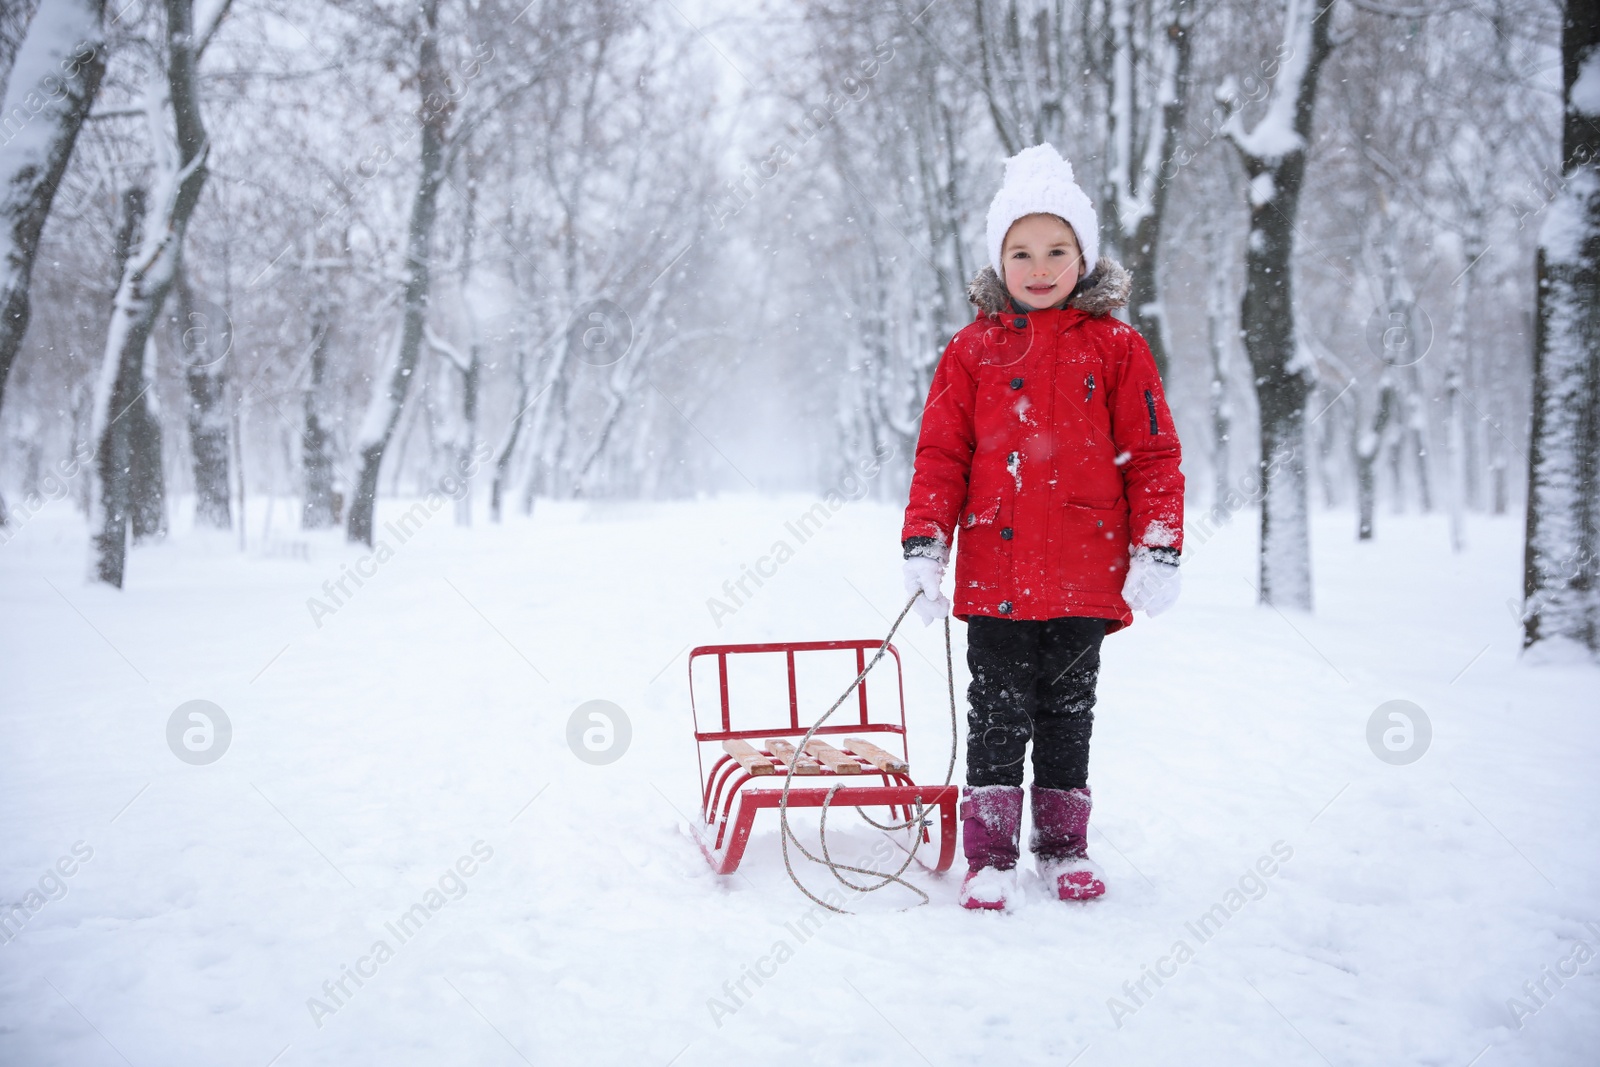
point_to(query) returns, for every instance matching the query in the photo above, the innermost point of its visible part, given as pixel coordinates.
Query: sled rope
(915, 823)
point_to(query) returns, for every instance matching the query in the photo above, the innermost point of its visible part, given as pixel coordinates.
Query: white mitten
(922, 575)
(1152, 585)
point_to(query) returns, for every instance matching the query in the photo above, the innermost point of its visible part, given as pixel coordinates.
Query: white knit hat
(1038, 180)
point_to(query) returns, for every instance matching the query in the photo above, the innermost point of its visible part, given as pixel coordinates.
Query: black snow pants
(1031, 680)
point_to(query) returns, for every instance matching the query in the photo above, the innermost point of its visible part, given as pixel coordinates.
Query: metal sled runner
(757, 753)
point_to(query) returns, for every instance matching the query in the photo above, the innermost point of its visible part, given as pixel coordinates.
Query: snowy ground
(422, 725)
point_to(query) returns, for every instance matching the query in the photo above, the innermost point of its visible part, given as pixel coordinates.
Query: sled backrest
(779, 689)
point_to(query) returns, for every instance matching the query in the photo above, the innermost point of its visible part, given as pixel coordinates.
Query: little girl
(1046, 439)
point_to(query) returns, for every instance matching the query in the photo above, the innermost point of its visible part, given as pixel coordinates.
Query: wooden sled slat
(886, 762)
(832, 758)
(753, 762)
(796, 763)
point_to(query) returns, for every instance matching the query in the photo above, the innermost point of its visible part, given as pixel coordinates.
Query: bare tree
(1150, 89)
(1561, 577)
(1220, 333)
(1274, 156)
(390, 388)
(147, 277)
(1368, 442)
(53, 82)
(203, 340)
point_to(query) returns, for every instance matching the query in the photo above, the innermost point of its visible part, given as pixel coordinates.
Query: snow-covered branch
(449, 351)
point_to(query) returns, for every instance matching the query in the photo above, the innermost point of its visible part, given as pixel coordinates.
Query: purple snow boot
(991, 823)
(1060, 842)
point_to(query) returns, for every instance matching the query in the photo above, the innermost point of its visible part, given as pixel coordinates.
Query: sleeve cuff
(1161, 554)
(931, 547)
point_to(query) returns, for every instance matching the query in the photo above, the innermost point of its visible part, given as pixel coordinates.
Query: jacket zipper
(1150, 405)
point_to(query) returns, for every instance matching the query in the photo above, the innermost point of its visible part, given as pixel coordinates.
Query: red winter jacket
(1047, 439)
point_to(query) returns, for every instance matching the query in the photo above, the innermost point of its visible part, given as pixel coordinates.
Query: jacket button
(1099, 522)
(1019, 322)
(1016, 383)
(1011, 458)
(1005, 607)
(1005, 534)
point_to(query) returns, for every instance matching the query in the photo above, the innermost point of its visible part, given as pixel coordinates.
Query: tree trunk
(389, 397)
(1142, 210)
(1469, 431)
(548, 408)
(53, 82)
(110, 431)
(465, 442)
(1274, 154)
(1368, 445)
(1560, 574)
(317, 508)
(1218, 334)
(502, 461)
(1416, 437)
(1461, 459)
(202, 342)
(147, 486)
(147, 277)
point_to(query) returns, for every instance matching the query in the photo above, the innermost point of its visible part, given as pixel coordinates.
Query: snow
(40, 79)
(380, 409)
(993, 886)
(45, 70)
(1274, 135)
(1263, 187)
(1566, 226)
(1159, 534)
(1584, 95)
(1277, 893)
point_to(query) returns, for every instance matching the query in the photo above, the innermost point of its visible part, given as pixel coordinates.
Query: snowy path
(410, 731)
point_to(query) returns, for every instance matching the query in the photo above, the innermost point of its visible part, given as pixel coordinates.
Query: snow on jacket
(1046, 439)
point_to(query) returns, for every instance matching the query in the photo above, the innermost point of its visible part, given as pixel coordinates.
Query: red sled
(755, 759)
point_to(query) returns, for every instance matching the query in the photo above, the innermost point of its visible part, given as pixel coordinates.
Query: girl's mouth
(1041, 287)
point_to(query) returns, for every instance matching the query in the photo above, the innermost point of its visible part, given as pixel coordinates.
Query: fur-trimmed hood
(1104, 291)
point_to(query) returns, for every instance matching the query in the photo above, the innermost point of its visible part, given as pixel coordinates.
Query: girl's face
(1042, 261)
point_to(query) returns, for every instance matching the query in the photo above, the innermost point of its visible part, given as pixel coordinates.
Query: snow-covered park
(406, 404)
(1278, 894)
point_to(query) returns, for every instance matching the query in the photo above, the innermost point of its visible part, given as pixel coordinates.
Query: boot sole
(1079, 891)
(983, 905)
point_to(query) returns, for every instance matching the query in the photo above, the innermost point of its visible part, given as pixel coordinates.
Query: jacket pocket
(978, 513)
(1092, 547)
